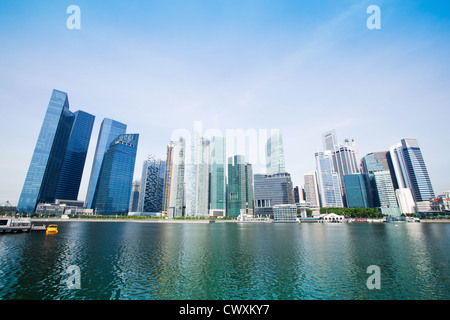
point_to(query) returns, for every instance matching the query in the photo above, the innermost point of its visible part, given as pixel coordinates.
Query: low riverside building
(330, 218)
(285, 213)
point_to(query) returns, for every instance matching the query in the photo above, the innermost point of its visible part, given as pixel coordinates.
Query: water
(130, 261)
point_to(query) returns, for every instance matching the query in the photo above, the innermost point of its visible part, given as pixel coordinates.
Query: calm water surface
(128, 260)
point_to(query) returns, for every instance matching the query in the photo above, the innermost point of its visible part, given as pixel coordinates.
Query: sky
(161, 67)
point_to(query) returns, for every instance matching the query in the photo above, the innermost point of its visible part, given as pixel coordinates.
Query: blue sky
(304, 67)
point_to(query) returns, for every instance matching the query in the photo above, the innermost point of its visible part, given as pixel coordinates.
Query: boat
(10, 225)
(53, 228)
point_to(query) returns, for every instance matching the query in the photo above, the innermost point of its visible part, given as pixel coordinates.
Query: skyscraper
(380, 191)
(416, 171)
(112, 193)
(355, 186)
(197, 177)
(174, 196)
(275, 153)
(109, 130)
(328, 181)
(217, 190)
(240, 186)
(46, 164)
(151, 196)
(271, 190)
(312, 191)
(329, 140)
(75, 157)
(410, 169)
(134, 198)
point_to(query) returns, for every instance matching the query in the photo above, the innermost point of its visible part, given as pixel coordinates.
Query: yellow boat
(53, 228)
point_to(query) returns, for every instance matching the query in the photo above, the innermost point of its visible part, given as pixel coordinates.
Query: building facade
(285, 213)
(153, 179)
(356, 191)
(197, 177)
(175, 184)
(328, 181)
(109, 130)
(240, 186)
(218, 183)
(112, 193)
(275, 154)
(271, 190)
(75, 157)
(312, 191)
(46, 164)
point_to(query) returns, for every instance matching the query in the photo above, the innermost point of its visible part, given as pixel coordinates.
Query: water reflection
(125, 260)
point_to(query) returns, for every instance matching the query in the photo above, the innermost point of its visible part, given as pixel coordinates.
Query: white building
(330, 218)
(405, 200)
(197, 177)
(175, 183)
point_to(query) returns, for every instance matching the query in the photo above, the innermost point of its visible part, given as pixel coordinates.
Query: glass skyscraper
(355, 186)
(151, 198)
(328, 180)
(109, 130)
(112, 193)
(75, 158)
(416, 171)
(275, 154)
(240, 186)
(217, 190)
(381, 193)
(44, 172)
(197, 177)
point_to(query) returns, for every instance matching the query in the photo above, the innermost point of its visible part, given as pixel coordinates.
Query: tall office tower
(399, 166)
(275, 154)
(174, 195)
(134, 198)
(311, 190)
(112, 193)
(168, 177)
(271, 190)
(197, 177)
(385, 197)
(75, 158)
(109, 130)
(351, 143)
(355, 186)
(328, 180)
(381, 192)
(329, 140)
(151, 197)
(45, 167)
(410, 169)
(218, 184)
(345, 162)
(416, 171)
(405, 200)
(240, 186)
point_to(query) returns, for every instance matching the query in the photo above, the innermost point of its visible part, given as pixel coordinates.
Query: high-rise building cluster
(197, 179)
(55, 172)
(396, 181)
